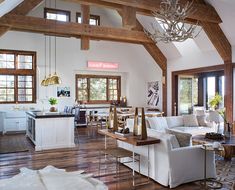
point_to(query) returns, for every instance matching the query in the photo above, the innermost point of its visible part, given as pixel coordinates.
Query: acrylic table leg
(148, 162)
(133, 167)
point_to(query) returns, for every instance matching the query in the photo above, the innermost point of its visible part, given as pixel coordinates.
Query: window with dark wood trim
(94, 19)
(57, 14)
(97, 89)
(17, 76)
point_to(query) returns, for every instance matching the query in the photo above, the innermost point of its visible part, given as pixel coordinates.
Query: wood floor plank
(85, 156)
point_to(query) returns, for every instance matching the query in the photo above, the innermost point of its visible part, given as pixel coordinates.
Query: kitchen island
(50, 130)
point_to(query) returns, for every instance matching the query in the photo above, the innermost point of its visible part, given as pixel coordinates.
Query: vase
(115, 120)
(227, 130)
(53, 109)
(144, 135)
(135, 130)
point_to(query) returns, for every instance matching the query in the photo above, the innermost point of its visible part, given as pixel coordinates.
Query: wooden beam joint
(128, 17)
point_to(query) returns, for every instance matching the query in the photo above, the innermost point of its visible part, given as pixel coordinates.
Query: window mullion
(88, 89)
(107, 89)
(16, 88)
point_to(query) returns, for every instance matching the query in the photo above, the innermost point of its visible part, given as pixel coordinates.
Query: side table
(210, 183)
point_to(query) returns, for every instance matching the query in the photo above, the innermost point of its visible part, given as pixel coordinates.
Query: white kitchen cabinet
(14, 121)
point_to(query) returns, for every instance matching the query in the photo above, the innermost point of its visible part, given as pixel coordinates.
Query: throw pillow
(184, 139)
(157, 123)
(174, 142)
(190, 121)
(202, 120)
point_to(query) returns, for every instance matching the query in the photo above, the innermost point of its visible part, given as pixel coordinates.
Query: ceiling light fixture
(171, 18)
(55, 79)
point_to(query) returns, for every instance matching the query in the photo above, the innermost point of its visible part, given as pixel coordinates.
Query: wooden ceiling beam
(219, 40)
(22, 9)
(4, 29)
(203, 12)
(69, 29)
(85, 15)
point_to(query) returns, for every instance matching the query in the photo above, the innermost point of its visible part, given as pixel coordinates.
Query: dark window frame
(21, 72)
(107, 77)
(95, 17)
(57, 11)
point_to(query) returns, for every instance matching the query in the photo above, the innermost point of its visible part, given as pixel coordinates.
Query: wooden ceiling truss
(132, 31)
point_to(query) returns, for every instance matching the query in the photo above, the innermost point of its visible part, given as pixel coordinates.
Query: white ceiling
(7, 5)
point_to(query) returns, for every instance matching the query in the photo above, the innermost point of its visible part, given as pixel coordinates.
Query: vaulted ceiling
(7, 5)
(225, 9)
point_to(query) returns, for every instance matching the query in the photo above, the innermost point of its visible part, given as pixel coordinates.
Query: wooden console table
(134, 141)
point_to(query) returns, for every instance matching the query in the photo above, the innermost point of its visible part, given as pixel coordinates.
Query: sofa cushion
(202, 120)
(184, 139)
(190, 121)
(157, 123)
(174, 121)
(195, 130)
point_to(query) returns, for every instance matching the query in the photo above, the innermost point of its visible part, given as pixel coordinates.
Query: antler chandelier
(171, 18)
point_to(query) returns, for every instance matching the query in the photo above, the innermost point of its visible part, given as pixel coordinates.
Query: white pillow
(175, 121)
(190, 121)
(184, 139)
(158, 123)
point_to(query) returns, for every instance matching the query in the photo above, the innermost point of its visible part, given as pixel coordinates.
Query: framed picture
(63, 91)
(153, 94)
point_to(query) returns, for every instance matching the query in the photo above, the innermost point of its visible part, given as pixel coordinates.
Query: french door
(187, 94)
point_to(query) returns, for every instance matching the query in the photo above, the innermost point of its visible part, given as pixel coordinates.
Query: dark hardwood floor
(85, 156)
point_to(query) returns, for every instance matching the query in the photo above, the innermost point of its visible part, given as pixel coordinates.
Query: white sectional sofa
(178, 123)
(170, 164)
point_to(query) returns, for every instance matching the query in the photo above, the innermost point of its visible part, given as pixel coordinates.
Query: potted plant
(215, 101)
(53, 102)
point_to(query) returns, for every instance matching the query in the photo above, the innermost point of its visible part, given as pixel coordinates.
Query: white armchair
(187, 165)
(171, 165)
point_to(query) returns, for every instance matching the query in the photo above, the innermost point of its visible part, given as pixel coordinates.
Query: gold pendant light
(55, 79)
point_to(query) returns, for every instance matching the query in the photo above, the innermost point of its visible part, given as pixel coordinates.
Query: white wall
(136, 66)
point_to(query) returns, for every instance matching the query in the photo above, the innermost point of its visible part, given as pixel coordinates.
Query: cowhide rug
(51, 178)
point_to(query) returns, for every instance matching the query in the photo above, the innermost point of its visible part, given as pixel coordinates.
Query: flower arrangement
(215, 101)
(53, 101)
(222, 113)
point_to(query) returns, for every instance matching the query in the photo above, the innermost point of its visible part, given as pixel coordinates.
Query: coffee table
(228, 144)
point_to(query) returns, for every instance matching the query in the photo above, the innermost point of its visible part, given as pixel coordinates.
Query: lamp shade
(55, 79)
(43, 83)
(48, 80)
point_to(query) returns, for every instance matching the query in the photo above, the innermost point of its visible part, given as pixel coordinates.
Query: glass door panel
(187, 94)
(211, 89)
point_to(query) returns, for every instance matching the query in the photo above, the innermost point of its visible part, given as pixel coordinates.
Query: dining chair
(65, 109)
